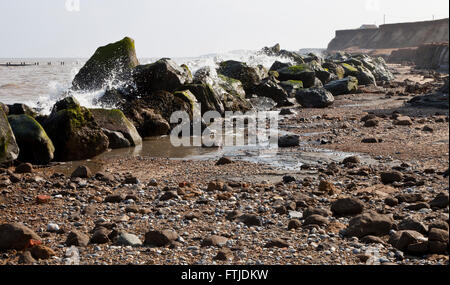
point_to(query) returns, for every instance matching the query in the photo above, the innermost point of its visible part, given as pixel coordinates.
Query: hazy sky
(65, 28)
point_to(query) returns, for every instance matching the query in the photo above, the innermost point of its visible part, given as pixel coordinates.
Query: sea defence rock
(9, 150)
(113, 62)
(206, 96)
(162, 75)
(17, 236)
(21, 109)
(314, 98)
(344, 86)
(270, 88)
(249, 76)
(115, 120)
(151, 113)
(291, 87)
(301, 72)
(35, 146)
(74, 132)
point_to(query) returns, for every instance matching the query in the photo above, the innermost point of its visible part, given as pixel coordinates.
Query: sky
(179, 28)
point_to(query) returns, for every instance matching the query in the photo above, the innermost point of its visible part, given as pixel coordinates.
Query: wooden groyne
(19, 64)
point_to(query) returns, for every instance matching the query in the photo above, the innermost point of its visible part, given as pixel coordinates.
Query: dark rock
(224, 161)
(26, 258)
(369, 223)
(371, 240)
(24, 168)
(111, 62)
(21, 109)
(82, 172)
(352, 160)
(77, 238)
(413, 225)
(35, 146)
(251, 220)
(315, 220)
(301, 72)
(402, 239)
(289, 141)
(249, 76)
(316, 211)
(391, 201)
(100, 236)
(206, 96)
(371, 123)
(417, 207)
(344, 86)
(269, 88)
(117, 198)
(214, 240)
(74, 132)
(42, 252)
(16, 236)
(419, 249)
(410, 198)
(277, 243)
(441, 201)
(347, 206)
(224, 255)
(314, 98)
(160, 238)
(9, 150)
(163, 75)
(391, 177)
(294, 224)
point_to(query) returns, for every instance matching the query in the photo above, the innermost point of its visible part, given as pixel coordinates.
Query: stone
(76, 238)
(352, 160)
(369, 223)
(73, 131)
(113, 62)
(34, 144)
(403, 121)
(160, 238)
(114, 120)
(251, 220)
(315, 220)
(116, 198)
(81, 172)
(347, 207)
(402, 239)
(301, 72)
(391, 201)
(116, 139)
(417, 207)
(289, 141)
(440, 201)
(410, 198)
(438, 235)
(316, 211)
(206, 96)
(24, 168)
(43, 199)
(249, 76)
(26, 258)
(214, 240)
(314, 98)
(21, 109)
(224, 161)
(391, 177)
(271, 89)
(419, 248)
(327, 188)
(277, 242)
(100, 236)
(370, 140)
(17, 236)
(42, 252)
(224, 255)
(127, 239)
(372, 240)
(371, 123)
(411, 224)
(9, 150)
(344, 86)
(294, 224)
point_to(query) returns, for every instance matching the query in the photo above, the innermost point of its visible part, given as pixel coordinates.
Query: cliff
(392, 36)
(434, 56)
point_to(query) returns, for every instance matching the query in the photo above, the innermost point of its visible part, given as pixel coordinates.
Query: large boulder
(301, 72)
(270, 88)
(9, 150)
(347, 85)
(249, 76)
(16, 236)
(21, 109)
(115, 120)
(35, 146)
(207, 96)
(113, 62)
(291, 86)
(314, 98)
(162, 75)
(74, 132)
(334, 68)
(151, 113)
(369, 223)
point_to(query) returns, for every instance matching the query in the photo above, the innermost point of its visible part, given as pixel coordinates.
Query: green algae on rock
(111, 62)
(9, 150)
(35, 146)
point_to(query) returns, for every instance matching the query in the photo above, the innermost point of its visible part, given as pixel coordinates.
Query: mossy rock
(21, 109)
(232, 94)
(249, 76)
(206, 96)
(74, 132)
(349, 70)
(115, 120)
(162, 75)
(35, 146)
(334, 68)
(300, 72)
(347, 85)
(111, 62)
(189, 98)
(291, 86)
(9, 150)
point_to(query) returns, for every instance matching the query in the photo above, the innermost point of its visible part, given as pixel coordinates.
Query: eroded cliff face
(392, 36)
